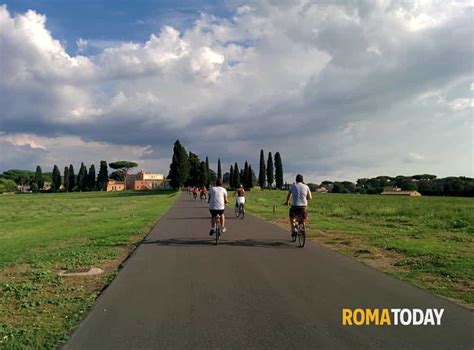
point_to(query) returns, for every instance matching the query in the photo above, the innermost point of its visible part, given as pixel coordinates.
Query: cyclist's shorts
(240, 200)
(214, 213)
(296, 211)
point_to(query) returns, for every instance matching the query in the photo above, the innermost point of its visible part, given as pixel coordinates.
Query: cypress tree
(202, 174)
(261, 172)
(270, 174)
(208, 173)
(236, 176)
(38, 179)
(219, 169)
(278, 171)
(91, 179)
(103, 176)
(72, 178)
(231, 177)
(66, 179)
(179, 167)
(82, 178)
(245, 177)
(250, 177)
(56, 179)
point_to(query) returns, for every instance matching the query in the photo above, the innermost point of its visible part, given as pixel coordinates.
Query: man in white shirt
(300, 195)
(217, 200)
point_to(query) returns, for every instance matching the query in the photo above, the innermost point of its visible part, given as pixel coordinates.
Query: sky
(342, 89)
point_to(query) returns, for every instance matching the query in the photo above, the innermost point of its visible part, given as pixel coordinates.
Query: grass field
(428, 241)
(43, 234)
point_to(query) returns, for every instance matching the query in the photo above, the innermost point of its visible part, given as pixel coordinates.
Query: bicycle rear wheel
(217, 231)
(301, 235)
(237, 212)
(241, 211)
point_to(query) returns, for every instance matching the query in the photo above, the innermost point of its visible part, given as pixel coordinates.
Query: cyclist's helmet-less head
(299, 178)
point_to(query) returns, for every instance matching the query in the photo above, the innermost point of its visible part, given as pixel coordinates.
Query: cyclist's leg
(222, 219)
(291, 216)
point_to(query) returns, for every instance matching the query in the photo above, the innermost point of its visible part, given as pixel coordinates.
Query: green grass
(432, 238)
(45, 233)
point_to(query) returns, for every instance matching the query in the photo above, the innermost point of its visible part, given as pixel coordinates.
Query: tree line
(85, 180)
(187, 169)
(426, 184)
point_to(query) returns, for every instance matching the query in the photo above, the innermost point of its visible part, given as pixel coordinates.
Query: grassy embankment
(428, 241)
(43, 234)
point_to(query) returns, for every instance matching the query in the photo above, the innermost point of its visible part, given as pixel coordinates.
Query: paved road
(254, 291)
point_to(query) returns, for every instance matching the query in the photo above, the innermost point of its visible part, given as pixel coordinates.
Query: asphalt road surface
(256, 290)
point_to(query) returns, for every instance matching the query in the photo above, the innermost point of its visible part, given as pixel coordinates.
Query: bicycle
(203, 195)
(217, 228)
(239, 211)
(299, 227)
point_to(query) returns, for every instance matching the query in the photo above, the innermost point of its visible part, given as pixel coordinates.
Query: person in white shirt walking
(300, 195)
(217, 200)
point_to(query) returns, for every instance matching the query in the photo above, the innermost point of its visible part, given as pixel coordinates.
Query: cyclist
(203, 192)
(240, 197)
(217, 200)
(300, 194)
(195, 192)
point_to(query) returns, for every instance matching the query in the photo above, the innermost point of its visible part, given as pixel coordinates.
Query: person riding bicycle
(217, 200)
(300, 195)
(195, 191)
(240, 197)
(203, 194)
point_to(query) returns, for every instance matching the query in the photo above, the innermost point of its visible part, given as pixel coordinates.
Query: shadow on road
(186, 242)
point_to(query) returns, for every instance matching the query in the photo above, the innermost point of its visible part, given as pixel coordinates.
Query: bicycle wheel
(241, 211)
(301, 235)
(237, 211)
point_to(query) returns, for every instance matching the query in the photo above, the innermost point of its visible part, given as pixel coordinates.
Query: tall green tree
(82, 178)
(203, 174)
(72, 178)
(38, 179)
(179, 167)
(236, 175)
(103, 176)
(66, 179)
(270, 173)
(245, 178)
(195, 176)
(208, 173)
(56, 183)
(261, 172)
(91, 184)
(252, 178)
(124, 167)
(278, 171)
(231, 177)
(219, 169)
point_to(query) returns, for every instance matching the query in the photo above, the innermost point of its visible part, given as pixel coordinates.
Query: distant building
(145, 181)
(322, 189)
(47, 186)
(24, 188)
(114, 185)
(399, 192)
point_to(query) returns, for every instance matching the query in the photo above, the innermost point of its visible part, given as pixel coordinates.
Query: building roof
(401, 192)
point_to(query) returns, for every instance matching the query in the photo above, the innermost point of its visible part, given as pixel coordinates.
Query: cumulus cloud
(340, 90)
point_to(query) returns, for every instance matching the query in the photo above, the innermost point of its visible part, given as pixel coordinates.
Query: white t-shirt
(299, 191)
(216, 198)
